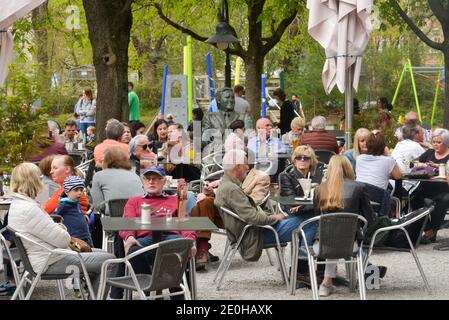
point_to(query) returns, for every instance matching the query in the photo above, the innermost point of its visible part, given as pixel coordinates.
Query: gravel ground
(260, 280)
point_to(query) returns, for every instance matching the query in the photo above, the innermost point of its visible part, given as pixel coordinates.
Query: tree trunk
(38, 18)
(109, 24)
(446, 90)
(254, 70)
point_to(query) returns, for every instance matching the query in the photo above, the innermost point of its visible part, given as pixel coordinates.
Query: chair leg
(361, 276)
(313, 280)
(186, 287)
(225, 255)
(267, 251)
(282, 266)
(19, 286)
(294, 265)
(226, 266)
(61, 291)
(33, 285)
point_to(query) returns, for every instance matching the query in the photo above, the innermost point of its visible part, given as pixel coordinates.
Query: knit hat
(72, 182)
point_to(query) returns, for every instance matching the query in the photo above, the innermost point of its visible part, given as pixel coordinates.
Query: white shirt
(375, 170)
(405, 152)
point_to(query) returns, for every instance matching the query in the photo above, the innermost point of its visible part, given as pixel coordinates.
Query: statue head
(225, 99)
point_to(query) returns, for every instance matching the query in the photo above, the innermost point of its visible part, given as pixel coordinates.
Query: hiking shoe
(303, 281)
(326, 291)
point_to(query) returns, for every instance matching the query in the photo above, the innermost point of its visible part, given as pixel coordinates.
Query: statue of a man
(222, 119)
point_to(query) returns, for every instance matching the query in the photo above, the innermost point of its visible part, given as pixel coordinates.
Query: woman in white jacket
(26, 217)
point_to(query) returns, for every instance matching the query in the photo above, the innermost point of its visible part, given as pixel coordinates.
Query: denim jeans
(284, 229)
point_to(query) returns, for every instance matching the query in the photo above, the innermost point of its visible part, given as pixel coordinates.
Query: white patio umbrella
(342, 28)
(10, 11)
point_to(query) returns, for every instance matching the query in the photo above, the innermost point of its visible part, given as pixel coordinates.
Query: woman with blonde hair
(359, 147)
(25, 216)
(304, 165)
(340, 193)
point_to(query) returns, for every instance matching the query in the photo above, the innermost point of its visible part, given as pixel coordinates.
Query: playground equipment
(421, 71)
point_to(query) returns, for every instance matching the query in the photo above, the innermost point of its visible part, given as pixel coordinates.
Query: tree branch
(177, 26)
(414, 27)
(439, 12)
(277, 35)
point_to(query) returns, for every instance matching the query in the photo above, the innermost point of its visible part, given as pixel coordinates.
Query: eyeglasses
(303, 158)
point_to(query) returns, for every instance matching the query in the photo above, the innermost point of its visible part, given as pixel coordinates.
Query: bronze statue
(226, 114)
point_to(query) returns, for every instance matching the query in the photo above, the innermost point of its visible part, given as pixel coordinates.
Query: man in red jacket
(319, 138)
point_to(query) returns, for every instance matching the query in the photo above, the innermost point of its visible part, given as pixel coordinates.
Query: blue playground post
(264, 96)
(164, 87)
(209, 74)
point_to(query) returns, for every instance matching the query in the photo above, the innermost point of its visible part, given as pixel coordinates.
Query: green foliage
(21, 123)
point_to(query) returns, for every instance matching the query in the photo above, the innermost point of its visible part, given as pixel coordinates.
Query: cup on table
(168, 180)
(168, 215)
(306, 185)
(69, 146)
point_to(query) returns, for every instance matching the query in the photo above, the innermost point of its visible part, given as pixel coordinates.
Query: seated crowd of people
(133, 165)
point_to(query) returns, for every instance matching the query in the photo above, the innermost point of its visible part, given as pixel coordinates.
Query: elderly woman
(297, 125)
(438, 192)
(61, 168)
(139, 152)
(359, 146)
(304, 165)
(116, 171)
(26, 217)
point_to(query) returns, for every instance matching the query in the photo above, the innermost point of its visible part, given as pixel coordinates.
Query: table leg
(192, 276)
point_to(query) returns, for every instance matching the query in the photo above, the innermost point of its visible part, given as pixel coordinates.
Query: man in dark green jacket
(231, 196)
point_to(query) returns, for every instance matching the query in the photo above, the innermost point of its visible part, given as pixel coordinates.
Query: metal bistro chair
(232, 248)
(29, 275)
(11, 256)
(337, 236)
(113, 208)
(415, 216)
(168, 270)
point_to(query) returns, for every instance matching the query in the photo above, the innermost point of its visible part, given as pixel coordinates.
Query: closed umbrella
(9, 13)
(342, 28)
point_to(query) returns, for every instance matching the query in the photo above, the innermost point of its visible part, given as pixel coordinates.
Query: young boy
(69, 208)
(90, 134)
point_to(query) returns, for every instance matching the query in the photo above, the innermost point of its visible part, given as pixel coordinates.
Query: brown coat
(256, 185)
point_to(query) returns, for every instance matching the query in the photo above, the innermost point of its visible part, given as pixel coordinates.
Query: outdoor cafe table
(157, 227)
(291, 201)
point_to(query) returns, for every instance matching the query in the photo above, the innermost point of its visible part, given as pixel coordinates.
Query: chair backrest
(324, 155)
(89, 174)
(22, 252)
(116, 207)
(170, 263)
(337, 235)
(78, 159)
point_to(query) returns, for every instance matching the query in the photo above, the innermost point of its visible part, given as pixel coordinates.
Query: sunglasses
(303, 158)
(144, 146)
